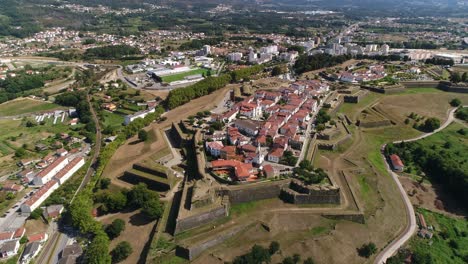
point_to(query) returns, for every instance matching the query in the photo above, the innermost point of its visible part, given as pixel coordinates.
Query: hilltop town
(135, 132)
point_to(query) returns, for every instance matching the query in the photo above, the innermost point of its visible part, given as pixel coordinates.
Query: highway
(411, 228)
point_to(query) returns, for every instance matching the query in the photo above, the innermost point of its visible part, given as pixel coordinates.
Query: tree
(23, 240)
(296, 258)
(455, 77)
(142, 135)
(113, 201)
(309, 261)
(153, 208)
(288, 260)
(138, 195)
(465, 77)
(431, 124)
(367, 250)
(115, 228)
(276, 71)
(322, 117)
(455, 102)
(36, 214)
(104, 183)
(422, 258)
(121, 252)
(97, 251)
(320, 127)
(20, 152)
(274, 247)
(80, 212)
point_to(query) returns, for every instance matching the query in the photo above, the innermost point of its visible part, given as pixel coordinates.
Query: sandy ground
(137, 232)
(34, 227)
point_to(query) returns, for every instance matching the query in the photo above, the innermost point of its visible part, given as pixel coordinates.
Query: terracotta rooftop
(40, 192)
(67, 168)
(52, 166)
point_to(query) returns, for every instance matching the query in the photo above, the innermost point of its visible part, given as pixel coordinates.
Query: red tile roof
(40, 192)
(19, 232)
(277, 153)
(37, 237)
(242, 170)
(67, 168)
(6, 236)
(52, 166)
(396, 161)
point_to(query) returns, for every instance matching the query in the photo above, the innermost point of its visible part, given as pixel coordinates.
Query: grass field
(458, 143)
(26, 106)
(180, 76)
(452, 249)
(112, 119)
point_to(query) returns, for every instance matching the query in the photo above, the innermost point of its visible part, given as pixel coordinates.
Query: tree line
(307, 63)
(14, 87)
(210, 84)
(439, 164)
(78, 100)
(111, 52)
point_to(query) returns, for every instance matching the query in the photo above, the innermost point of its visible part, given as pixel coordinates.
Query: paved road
(410, 229)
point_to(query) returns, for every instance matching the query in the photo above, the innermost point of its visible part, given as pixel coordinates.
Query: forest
(19, 85)
(444, 164)
(307, 63)
(111, 52)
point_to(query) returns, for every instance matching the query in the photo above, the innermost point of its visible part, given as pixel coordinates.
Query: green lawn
(26, 106)
(112, 119)
(180, 76)
(420, 90)
(446, 229)
(458, 144)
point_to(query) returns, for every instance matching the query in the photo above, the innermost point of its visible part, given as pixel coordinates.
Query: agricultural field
(25, 106)
(181, 76)
(17, 135)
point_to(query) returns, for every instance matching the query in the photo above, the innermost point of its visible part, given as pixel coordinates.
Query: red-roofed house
(228, 152)
(275, 155)
(270, 171)
(241, 171)
(39, 237)
(11, 187)
(19, 233)
(397, 164)
(46, 174)
(64, 174)
(6, 236)
(39, 196)
(214, 148)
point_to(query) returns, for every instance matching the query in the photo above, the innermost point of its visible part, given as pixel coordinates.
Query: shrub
(121, 252)
(116, 228)
(367, 250)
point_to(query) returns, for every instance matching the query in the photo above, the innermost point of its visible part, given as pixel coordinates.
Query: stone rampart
(299, 193)
(196, 220)
(253, 192)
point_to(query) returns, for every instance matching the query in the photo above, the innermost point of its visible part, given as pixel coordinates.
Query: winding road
(411, 228)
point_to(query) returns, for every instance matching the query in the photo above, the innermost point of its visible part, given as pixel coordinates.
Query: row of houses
(51, 178)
